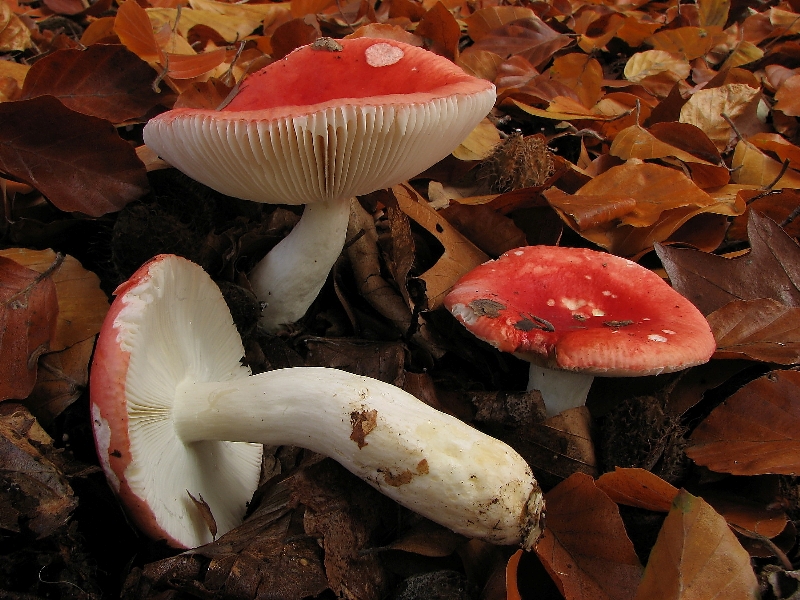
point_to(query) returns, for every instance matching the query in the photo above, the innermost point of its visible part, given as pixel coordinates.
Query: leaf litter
(664, 134)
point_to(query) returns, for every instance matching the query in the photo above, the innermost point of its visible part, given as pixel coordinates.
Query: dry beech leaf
(752, 515)
(531, 38)
(770, 270)
(460, 255)
(639, 488)
(755, 431)
(80, 163)
(682, 141)
(440, 27)
(60, 381)
(133, 27)
(584, 547)
(482, 22)
(82, 305)
(14, 35)
(581, 73)
(104, 80)
(28, 314)
(652, 63)
(777, 205)
(761, 329)
(697, 557)
(773, 142)
(704, 110)
(687, 42)
(713, 12)
(479, 143)
(750, 166)
(664, 199)
(31, 482)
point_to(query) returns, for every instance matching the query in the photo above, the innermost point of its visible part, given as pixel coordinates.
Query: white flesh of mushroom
(561, 390)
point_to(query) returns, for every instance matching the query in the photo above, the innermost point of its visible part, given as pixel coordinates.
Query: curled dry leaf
(34, 493)
(28, 312)
(14, 35)
(755, 431)
(459, 257)
(630, 207)
(697, 556)
(584, 547)
(750, 166)
(639, 488)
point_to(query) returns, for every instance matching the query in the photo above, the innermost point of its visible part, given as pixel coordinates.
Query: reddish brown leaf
(440, 27)
(78, 162)
(762, 329)
(531, 38)
(777, 205)
(755, 431)
(638, 487)
(28, 313)
(105, 81)
(770, 270)
(584, 547)
(696, 556)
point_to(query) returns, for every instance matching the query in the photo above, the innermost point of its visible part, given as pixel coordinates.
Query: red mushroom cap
(581, 310)
(328, 121)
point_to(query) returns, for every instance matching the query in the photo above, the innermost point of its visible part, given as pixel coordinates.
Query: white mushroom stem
(561, 390)
(425, 460)
(288, 279)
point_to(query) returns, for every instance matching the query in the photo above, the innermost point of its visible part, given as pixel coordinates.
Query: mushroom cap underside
(282, 142)
(168, 324)
(581, 310)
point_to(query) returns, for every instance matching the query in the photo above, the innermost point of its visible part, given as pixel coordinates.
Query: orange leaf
(134, 29)
(755, 431)
(697, 557)
(639, 488)
(186, 66)
(584, 547)
(483, 21)
(460, 255)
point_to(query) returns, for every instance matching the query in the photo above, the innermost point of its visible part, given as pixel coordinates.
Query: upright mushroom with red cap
(331, 120)
(575, 314)
(168, 390)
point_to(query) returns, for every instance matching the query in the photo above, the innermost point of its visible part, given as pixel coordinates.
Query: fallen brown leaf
(28, 313)
(755, 431)
(696, 556)
(584, 547)
(770, 270)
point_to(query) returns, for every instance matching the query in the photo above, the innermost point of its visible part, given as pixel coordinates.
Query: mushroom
(575, 314)
(331, 120)
(179, 422)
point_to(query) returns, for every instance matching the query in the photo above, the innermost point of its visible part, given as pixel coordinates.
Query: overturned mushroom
(575, 314)
(172, 406)
(331, 120)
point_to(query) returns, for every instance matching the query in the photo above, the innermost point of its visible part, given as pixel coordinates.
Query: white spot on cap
(383, 55)
(573, 303)
(588, 276)
(518, 253)
(597, 312)
(102, 434)
(654, 337)
(551, 302)
(668, 331)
